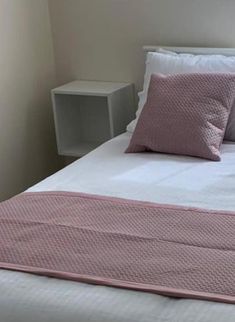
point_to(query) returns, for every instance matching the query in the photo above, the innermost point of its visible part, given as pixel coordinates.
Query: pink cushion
(185, 114)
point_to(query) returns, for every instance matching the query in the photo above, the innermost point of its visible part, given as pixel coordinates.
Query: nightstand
(88, 113)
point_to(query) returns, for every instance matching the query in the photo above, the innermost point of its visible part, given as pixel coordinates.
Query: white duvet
(151, 177)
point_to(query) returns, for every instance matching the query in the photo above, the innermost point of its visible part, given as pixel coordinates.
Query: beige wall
(102, 39)
(27, 145)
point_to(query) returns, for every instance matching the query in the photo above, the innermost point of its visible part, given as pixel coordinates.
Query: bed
(108, 171)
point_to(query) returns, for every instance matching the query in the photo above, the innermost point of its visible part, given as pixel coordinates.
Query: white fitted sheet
(151, 177)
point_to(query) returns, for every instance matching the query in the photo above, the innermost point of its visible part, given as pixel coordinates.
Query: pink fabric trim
(133, 201)
(164, 249)
(165, 291)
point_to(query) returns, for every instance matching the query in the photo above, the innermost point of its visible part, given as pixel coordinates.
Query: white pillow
(167, 63)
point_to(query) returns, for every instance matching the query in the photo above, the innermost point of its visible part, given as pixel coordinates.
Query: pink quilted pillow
(185, 114)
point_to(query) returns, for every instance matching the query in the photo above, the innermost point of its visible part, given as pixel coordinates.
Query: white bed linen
(151, 177)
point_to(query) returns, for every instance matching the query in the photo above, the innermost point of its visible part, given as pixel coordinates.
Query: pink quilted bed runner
(168, 250)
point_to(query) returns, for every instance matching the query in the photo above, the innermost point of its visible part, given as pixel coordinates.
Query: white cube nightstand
(88, 113)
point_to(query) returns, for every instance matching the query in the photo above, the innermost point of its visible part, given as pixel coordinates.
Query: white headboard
(194, 50)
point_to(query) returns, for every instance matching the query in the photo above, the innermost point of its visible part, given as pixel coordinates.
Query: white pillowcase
(166, 63)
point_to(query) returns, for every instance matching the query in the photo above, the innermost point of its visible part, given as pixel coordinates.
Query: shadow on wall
(34, 155)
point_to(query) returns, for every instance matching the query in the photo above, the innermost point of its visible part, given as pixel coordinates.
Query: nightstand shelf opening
(81, 148)
(85, 119)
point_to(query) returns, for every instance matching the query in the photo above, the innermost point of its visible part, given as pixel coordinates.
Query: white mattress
(151, 177)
